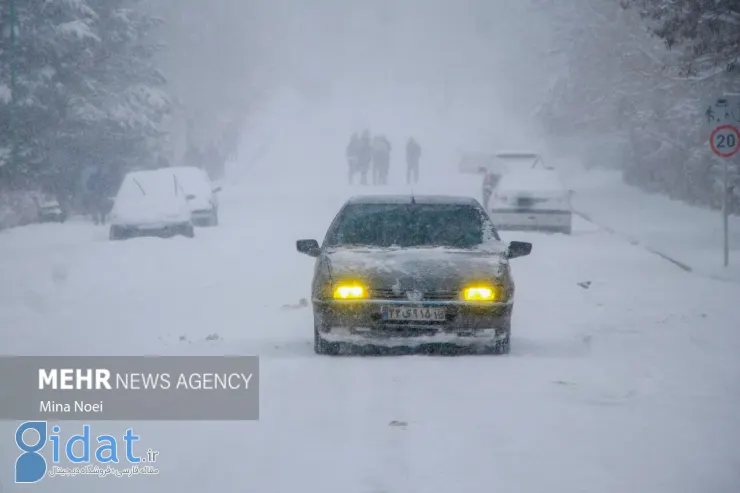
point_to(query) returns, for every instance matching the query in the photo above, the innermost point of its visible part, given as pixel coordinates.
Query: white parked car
(201, 194)
(531, 199)
(150, 203)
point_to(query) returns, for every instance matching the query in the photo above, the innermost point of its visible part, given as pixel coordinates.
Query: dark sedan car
(412, 271)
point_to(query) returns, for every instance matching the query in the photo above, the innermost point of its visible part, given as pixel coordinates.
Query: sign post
(724, 118)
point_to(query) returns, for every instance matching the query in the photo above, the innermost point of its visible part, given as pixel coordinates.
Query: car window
(148, 185)
(411, 225)
(130, 190)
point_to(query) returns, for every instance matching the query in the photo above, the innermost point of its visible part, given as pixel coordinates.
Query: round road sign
(725, 140)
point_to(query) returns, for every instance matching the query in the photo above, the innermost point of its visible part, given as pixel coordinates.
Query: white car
(150, 203)
(201, 194)
(531, 199)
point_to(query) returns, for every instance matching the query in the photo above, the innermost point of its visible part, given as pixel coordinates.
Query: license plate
(413, 314)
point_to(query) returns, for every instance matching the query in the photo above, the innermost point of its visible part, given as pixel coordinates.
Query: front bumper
(361, 322)
(202, 217)
(165, 230)
(51, 215)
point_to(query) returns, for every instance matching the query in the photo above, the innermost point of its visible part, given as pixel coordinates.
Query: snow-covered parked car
(412, 272)
(150, 203)
(50, 210)
(531, 199)
(201, 194)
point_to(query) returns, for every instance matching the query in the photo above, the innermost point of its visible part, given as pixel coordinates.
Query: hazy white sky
(469, 63)
(474, 68)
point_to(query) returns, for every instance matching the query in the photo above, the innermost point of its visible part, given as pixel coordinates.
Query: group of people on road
(366, 153)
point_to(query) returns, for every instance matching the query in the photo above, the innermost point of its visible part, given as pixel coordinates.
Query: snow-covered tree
(705, 32)
(87, 91)
(624, 91)
(115, 119)
(52, 41)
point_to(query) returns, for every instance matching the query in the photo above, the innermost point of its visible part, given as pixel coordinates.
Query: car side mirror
(217, 189)
(308, 247)
(190, 197)
(518, 249)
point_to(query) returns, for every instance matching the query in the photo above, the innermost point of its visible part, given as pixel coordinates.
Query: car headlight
(483, 293)
(349, 291)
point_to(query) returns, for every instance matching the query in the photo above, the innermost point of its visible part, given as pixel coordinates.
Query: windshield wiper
(140, 187)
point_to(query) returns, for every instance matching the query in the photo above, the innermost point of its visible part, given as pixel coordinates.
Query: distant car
(532, 199)
(50, 210)
(200, 193)
(502, 162)
(412, 271)
(150, 203)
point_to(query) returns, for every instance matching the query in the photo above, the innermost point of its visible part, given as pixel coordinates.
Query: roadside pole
(725, 143)
(726, 212)
(723, 117)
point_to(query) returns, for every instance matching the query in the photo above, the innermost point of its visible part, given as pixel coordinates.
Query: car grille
(434, 295)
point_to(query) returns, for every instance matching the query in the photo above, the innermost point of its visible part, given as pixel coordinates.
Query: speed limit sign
(725, 140)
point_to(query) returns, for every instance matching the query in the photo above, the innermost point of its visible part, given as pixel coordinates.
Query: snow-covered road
(626, 382)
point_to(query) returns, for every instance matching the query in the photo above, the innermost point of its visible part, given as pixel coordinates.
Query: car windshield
(138, 186)
(410, 225)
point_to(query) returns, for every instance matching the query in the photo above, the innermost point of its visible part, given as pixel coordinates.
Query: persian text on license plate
(413, 314)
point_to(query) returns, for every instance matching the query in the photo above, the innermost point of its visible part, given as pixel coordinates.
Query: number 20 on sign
(725, 140)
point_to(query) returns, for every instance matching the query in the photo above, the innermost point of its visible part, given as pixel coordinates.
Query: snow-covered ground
(623, 375)
(690, 235)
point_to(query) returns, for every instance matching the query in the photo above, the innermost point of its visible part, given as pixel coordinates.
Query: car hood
(416, 268)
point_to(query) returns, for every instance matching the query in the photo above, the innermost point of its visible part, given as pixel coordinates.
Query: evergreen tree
(116, 124)
(706, 32)
(87, 91)
(52, 40)
(623, 88)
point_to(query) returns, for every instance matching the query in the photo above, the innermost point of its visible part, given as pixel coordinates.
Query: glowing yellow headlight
(349, 292)
(480, 293)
